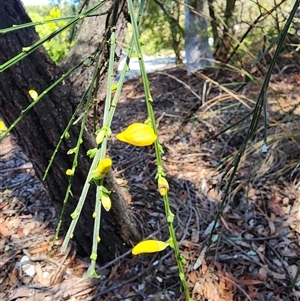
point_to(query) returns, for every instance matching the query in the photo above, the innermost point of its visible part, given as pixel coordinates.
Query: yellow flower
(106, 202)
(102, 169)
(163, 185)
(69, 172)
(104, 166)
(138, 134)
(33, 94)
(3, 128)
(149, 246)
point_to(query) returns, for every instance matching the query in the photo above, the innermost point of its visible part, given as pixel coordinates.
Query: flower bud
(163, 185)
(106, 202)
(100, 136)
(33, 94)
(69, 172)
(104, 166)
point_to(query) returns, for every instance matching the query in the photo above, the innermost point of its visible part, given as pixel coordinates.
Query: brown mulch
(255, 250)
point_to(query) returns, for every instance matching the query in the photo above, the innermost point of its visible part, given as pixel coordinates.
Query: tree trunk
(228, 32)
(197, 50)
(40, 129)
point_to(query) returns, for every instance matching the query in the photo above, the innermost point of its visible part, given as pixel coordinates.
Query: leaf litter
(255, 250)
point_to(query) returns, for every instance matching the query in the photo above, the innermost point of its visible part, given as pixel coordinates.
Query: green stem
(260, 104)
(63, 135)
(36, 100)
(158, 150)
(31, 24)
(76, 213)
(27, 50)
(74, 165)
(110, 76)
(109, 110)
(96, 235)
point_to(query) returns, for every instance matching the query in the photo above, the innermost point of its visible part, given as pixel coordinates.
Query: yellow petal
(106, 202)
(33, 94)
(104, 166)
(3, 128)
(149, 246)
(138, 134)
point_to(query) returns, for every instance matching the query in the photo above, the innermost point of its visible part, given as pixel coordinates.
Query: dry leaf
(193, 277)
(274, 206)
(199, 261)
(4, 230)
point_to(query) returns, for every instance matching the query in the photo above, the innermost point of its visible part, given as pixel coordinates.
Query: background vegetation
(238, 33)
(59, 45)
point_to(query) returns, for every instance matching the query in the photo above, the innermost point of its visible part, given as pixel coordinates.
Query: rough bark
(197, 50)
(40, 130)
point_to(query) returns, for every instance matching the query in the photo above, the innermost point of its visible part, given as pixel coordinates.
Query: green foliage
(161, 28)
(244, 32)
(59, 45)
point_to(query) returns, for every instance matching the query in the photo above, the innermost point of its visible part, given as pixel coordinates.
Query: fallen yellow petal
(149, 246)
(138, 134)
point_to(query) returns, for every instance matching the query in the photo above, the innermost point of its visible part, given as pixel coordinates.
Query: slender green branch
(109, 110)
(31, 24)
(76, 151)
(75, 215)
(96, 235)
(158, 152)
(254, 122)
(27, 50)
(36, 100)
(101, 153)
(63, 136)
(123, 73)
(110, 76)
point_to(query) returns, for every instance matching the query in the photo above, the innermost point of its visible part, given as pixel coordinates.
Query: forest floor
(254, 254)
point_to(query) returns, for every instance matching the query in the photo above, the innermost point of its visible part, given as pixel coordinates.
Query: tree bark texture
(40, 129)
(228, 32)
(197, 50)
